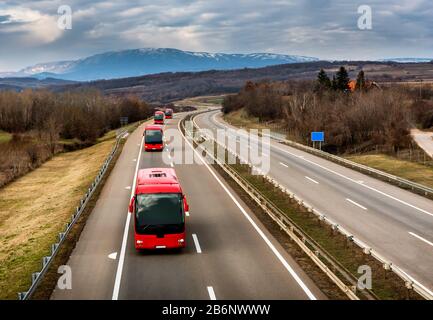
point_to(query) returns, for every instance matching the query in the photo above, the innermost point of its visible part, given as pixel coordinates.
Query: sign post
(318, 137)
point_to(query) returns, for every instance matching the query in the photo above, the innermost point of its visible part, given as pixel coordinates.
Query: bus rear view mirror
(131, 205)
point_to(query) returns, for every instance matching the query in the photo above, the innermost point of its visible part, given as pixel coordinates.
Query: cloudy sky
(325, 29)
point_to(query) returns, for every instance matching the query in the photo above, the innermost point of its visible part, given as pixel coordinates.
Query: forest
(42, 123)
(357, 118)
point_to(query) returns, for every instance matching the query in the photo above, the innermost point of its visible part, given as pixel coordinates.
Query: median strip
(328, 245)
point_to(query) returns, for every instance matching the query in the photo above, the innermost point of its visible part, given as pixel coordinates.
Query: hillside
(167, 87)
(137, 62)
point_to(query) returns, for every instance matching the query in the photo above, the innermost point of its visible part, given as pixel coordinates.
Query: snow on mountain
(51, 67)
(136, 62)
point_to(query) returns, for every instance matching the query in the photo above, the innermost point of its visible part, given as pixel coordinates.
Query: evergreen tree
(342, 79)
(360, 81)
(323, 81)
(334, 83)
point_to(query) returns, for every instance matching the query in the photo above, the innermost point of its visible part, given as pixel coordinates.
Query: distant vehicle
(159, 207)
(168, 113)
(153, 138)
(158, 117)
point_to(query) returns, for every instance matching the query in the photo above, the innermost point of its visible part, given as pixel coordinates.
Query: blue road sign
(318, 136)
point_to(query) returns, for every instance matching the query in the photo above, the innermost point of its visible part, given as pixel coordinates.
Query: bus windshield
(159, 212)
(153, 136)
(159, 116)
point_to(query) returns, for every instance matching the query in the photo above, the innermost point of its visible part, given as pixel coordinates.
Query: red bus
(153, 138)
(169, 113)
(158, 117)
(159, 207)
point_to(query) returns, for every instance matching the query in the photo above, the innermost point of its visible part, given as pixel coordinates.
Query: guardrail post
(35, 276)
(45, 260)
(61, 236)
(54, 247)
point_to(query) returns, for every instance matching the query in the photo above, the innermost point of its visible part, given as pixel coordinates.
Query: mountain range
(137, 62)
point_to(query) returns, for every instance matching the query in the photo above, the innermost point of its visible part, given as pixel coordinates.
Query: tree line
(39, 120)
(82, 115)
(356, 120)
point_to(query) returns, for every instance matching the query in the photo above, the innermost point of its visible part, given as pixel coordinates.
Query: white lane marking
(171, 164)
(371, 188)
(312, 180)
(255, 226)
(421, 238)
(284, 165)
(361, 184)
(197, 244)
(356, 204)
(352, 180)
(125, 234)
(128, 188)
(211, 293)
(134, 160)
(113, 256)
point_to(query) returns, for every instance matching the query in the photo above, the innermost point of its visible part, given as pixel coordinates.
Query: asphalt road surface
(396, 223)
(229, 254)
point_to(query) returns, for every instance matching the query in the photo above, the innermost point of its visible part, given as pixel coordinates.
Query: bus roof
(157, 180)
(159, 112)
(153, 127)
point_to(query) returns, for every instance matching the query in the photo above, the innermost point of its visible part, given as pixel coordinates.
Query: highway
(396, 223)
(229, 253)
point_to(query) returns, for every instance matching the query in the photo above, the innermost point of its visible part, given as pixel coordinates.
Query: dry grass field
(34, 208)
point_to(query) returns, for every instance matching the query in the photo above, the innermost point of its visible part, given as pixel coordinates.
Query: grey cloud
(322, 28)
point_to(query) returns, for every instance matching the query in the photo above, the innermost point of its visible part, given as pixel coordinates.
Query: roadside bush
(351, 121)
(38, 121)
(84, 115)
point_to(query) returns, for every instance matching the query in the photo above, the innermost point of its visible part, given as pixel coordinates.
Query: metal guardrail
(401, 182)
(410, 283)
(55, 247)
(308, 245)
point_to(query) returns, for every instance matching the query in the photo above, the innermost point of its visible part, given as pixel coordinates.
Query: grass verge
(48, 283)
(5, 136)
(412, 171)
(35, 208)
(240, 118)
(307, 265)
(386, 285)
